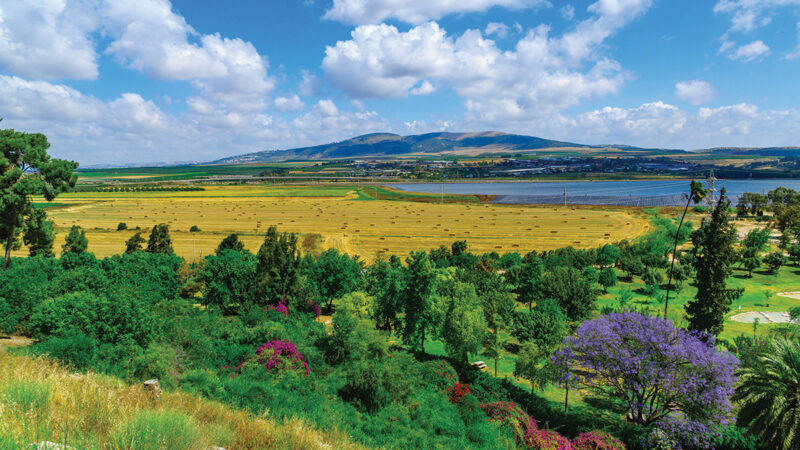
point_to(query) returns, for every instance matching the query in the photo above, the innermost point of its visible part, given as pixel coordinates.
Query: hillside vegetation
(41, 401)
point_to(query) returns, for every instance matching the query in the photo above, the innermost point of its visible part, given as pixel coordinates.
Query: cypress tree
(713, 261)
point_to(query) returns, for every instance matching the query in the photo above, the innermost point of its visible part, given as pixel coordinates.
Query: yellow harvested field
(363, 227)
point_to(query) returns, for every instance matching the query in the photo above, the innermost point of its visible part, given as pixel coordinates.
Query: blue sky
(134, 81)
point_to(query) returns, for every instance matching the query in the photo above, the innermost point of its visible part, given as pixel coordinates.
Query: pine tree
(231, 242)
(160, 241)
(713, 259)
(75, 242)
(38, 233)
(134, 244)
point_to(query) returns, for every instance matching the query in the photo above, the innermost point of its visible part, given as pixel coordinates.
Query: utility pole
(565, 196)
(442, 192)
(711, 190)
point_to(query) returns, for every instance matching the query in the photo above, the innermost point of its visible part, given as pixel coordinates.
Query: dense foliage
(246, 329)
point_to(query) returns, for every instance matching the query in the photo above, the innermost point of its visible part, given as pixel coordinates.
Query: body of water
(625, 193)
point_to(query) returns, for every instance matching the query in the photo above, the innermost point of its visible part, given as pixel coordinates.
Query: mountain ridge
(390, 144)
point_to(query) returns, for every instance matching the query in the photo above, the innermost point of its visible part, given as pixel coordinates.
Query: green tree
(768, 396)
(277, 271)
(335, 274)
(696, 193)
(751, 263)
(418, 299)
(608, 255)
(122, 226)
(546, 325)
(713, 259)
(530, 281)
(231, 242)
(160, 241)
(360, 303)
(529, 366)
(135, 243)
(38, 233)
(463, 326)
(652, 280)
(228, 280)
(386, 282)
(607, 278)
(570, 290)
(775, 261)
(788, 217)
(75, 241)
(27, 170)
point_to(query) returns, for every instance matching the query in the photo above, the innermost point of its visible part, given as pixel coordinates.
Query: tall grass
(41, 401)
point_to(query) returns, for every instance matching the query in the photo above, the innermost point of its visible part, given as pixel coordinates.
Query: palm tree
(769, 396)
(696, 194)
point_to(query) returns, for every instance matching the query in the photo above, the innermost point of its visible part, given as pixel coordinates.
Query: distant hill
(765, 151)
(388, 144)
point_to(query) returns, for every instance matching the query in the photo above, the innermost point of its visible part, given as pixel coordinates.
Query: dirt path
(15, 341)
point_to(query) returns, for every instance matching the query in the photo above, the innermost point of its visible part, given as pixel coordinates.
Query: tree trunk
(495, 366)
(566, 399)
(9, 242)
(675, 254)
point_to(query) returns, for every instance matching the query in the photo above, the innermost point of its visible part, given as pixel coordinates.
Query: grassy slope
(42, 401)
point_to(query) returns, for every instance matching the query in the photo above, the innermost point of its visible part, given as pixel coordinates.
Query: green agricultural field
(367, 221)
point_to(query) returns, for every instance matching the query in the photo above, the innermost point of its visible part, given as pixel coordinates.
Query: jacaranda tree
(658, 371)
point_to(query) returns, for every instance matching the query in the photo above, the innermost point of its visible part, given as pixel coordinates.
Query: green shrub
(122, 226)
(75, 349)
(27, 396)
(194, 229)
(157, 430)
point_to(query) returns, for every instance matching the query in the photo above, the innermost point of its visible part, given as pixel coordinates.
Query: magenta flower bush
(661, 372)
(280, 307)
(315, 308)
(439, 373)
(597, 440)
(277, 356)
(547, 440)
(511, 415)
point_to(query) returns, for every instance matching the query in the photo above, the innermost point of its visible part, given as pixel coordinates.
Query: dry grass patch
(363, 227)
(42, 401)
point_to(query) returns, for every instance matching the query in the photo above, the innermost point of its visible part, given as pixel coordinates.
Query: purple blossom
(281, 308)
(315, 308)
(279, 355)
(652, 366)
(677, 431)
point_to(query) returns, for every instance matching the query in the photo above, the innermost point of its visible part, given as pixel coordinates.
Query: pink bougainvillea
(277, 355)
(597, 440)
(280, 307)
(547, 440)
(513, 416)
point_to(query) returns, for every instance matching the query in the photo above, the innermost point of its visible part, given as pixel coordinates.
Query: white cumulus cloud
(361, 12)
(695, 92)
(542, 74)
(750, 52)
(289, 104)
(48, 39)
